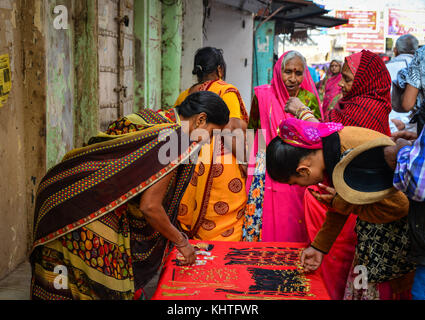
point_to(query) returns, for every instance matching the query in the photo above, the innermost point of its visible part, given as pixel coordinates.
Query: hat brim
(363, 176)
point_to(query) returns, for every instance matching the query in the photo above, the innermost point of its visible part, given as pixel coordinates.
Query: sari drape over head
(87, 216)
(366, 105)
(282, 208)
(331, 90)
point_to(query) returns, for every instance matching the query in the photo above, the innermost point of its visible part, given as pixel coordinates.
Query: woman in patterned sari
(105, 215)
(275, 211)
(366, 103)
(329, 89)
(214, 202)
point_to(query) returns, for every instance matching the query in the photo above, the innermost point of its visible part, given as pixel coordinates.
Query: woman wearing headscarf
(105, 215)
(275, 211)
(329, 89)
(366, 103)
(307, 153)
(214, 202)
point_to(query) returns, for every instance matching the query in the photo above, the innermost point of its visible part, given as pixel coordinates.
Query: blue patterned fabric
(416, 74)
(254, 210)
(409, 175)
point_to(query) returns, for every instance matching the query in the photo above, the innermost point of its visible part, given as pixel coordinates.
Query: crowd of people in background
(290, 189)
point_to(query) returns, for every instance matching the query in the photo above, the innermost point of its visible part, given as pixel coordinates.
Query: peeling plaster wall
(158, 38)
(54, 81)
(60, 84)
(171, 52)
(22, 146)
(147, 42)
(86, 73)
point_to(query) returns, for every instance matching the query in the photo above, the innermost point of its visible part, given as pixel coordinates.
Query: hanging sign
(5, 78)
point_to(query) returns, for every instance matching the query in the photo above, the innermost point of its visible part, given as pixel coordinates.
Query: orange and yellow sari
(214, 202)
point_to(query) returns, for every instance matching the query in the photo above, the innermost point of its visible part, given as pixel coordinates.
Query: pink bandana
(353, 61)
(306, 134)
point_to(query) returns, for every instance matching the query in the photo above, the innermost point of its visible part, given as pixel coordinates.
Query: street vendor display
(240, 271)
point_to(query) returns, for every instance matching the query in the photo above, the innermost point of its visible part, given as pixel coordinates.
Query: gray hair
(291, 55)
(407, 44)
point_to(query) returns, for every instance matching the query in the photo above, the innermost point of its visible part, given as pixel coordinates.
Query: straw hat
(362, 176)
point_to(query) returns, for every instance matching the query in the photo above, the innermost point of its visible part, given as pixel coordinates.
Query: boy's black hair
(208, 102)
(282, 159)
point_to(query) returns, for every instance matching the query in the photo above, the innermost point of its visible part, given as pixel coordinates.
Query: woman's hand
(407, 135)
(311, 259)
(399, 124)
(327, 198)
(294, 106)
(188, 252)
(390, 152)
(153, 211)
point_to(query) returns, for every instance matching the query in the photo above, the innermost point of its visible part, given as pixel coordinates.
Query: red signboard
(364, 31)
(359, 21)
(356, 42)
(373, 41)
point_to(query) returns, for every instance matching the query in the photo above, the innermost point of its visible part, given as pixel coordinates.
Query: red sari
(366, 105)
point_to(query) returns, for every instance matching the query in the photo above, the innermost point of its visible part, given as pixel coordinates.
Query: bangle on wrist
(307, 117)
(184, 243)
(301, 110)
(302, 113)
(306, 114)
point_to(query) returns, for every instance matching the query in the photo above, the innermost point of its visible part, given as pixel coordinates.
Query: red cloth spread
(241, 270)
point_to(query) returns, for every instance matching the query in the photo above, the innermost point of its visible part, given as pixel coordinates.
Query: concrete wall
(193, 39)
(22, 147)
(232, 31)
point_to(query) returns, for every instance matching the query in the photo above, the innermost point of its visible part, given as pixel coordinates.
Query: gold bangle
(304, 108)
(303, 113)
(307, 116)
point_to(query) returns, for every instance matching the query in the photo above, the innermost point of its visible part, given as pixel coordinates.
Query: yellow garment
(214, 202)
(230, 98)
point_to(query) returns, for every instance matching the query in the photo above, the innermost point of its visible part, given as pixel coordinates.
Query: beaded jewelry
(270, 256)
(183, 294)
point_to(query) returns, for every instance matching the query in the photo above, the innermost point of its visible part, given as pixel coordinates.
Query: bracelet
(307, 117)
(306, 114)
(303, 113)
(186, 241)
(301, 110)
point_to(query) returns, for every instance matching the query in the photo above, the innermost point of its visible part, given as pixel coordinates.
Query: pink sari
(283, 208)
(331, 91)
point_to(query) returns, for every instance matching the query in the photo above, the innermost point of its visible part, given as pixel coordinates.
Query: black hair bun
(197, 69)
